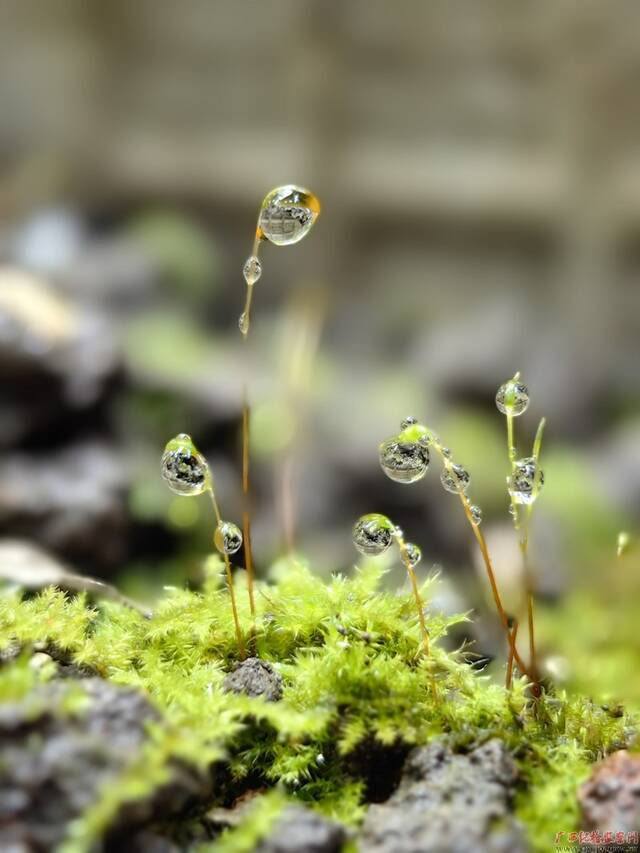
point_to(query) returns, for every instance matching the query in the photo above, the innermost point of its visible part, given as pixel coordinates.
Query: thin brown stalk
(509, 676)
(229, 578)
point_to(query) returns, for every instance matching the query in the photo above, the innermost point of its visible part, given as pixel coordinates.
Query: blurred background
(479, 170)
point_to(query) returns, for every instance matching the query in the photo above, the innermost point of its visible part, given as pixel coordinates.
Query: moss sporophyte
(359, 674)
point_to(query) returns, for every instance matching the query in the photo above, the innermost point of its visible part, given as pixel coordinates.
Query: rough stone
(300, 830)
(52, 764)
(448, 803)
(255, 677)
(72, 502)
(610, 799)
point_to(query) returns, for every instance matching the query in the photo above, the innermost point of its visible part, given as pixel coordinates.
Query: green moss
(353, 681)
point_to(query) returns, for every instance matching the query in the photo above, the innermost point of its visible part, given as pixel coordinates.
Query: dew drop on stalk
(413, 554)
(455, 478)
(373, 534)
(476, 514)
(525, 481)
(287, 214)
(184, 468)
(404, 461)
(252, 270)
(407, 422)
(227, 537)
(512, 398)
(243, 322)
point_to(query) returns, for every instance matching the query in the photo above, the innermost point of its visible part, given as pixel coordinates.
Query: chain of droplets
(373, 534)
(526, 478)
(405, 457)
(286, 216)
(186, 473)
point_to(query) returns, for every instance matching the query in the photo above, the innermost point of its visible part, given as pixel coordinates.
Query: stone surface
(52, 764)
(57, 360)
(255, 677)
(300, 830)
(610, 800)
(448, 803)
(73, 502)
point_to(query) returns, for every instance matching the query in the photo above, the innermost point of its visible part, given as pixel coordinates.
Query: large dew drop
(526, 480)
(288, 214)
(373, 534)
(227, 537)
(184, 468)
(512, 398)
(455, 478)
(404, 461)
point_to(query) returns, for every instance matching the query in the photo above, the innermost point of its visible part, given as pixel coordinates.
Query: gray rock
(73, 502)
(300, 830)
(255, 677)
(52, 764)
(610, 799)
(448, 803)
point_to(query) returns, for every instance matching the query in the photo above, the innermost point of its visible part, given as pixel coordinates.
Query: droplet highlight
(455, 479)
(404, 461)
(184, 468)
(252, 270)
(413, 554)
(525, 481)
(373, 534)
(512, 398)
(227, 538)
(476, 515)
(287, 214)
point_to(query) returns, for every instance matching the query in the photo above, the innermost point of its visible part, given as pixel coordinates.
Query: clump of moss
(354, 684)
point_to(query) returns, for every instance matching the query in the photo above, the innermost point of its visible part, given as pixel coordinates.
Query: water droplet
(522, 484)
(243, 322)
(404, 461)
(407, 422)
(413, 553)
(446, 452)
(252, 270)
(476, 514)
(288, 214)
(320, 759)
(227, 538)
(373, 534)
(512, 398)
(184, 468)
(455, 478)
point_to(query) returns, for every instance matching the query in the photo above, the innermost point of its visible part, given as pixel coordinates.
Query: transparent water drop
(455, 478)
(407, 422)
(373, 534)
(476, 514)
(287, 214)
(227, 537)
(512, 398)
(184, 468)
(522, 485)
(404, 461)
(243, 322)
(252, 270)
(446, 452)
(413, 553)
